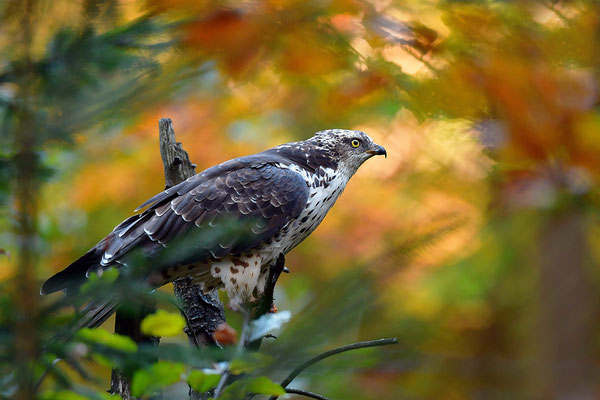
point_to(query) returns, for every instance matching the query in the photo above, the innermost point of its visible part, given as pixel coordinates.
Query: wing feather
(253, 192)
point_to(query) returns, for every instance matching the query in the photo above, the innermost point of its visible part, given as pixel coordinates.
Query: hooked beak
(377, 150)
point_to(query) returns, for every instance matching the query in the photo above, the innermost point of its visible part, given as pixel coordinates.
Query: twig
(348, 347)
(239, 350)
(306, 393)
(556, 11)
(221, 385)
(420, 58)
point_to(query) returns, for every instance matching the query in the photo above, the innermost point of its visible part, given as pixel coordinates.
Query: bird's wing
(227, 209)
(260, 199)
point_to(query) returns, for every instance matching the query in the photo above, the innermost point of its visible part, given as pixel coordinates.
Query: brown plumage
(233, 219)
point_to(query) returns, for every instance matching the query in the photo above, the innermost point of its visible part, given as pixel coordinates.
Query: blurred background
(475, 242)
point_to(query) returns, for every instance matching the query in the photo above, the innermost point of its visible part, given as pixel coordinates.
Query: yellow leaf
(162, 324)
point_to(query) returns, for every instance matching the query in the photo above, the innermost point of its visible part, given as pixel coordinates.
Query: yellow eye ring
(355, 143)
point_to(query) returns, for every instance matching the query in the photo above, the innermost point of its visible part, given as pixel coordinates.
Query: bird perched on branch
(232, 220)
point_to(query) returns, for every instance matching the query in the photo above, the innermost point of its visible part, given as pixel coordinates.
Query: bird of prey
(277, 198)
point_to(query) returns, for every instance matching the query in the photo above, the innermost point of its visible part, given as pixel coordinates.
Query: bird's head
(351, 148)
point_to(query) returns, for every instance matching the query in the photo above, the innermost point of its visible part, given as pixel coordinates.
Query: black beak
(377, 151)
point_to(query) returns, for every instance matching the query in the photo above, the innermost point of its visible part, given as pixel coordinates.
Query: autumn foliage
(475, 242)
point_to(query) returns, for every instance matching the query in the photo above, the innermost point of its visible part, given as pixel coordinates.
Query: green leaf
(106, 277)
(62, 395)
(202, 382)
(114, 340)
(160, 374)
(102, 360)
(162, 324)
(258, 385)
(110, 275)
(70, 395)
(248, 362)
(109, 396)
(263, 385)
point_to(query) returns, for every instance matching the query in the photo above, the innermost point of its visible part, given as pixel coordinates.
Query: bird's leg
(274, 272)
(265, 302)
(246, 311)
(279, 267)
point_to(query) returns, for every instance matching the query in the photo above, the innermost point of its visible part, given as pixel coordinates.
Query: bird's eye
(355, 142)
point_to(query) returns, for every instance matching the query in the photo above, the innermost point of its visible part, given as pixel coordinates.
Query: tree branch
(306, 393)
(127, 322)
(176, 161)
(556, 11)
(338, 350)
(202, 312)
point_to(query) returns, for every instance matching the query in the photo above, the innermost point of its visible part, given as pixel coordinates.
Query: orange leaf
(225, 335)
(308, 54)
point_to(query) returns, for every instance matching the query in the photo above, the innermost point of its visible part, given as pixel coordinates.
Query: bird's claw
(278, 267)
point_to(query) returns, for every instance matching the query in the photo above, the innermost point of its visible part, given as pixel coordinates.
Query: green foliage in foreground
(66, 368)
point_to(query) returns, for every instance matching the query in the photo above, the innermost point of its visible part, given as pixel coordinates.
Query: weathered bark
(176, 161)
(127, 322)
(203, 312)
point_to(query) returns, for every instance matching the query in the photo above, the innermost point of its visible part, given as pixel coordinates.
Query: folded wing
(228, 209)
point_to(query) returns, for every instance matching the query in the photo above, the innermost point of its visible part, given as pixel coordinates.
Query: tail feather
(74, 275)
(96, 312)
(91, 316)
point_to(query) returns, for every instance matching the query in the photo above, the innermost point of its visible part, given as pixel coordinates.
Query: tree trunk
(566, 310)
(203, 312)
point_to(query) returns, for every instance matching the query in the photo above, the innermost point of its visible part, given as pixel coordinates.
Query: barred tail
(91, 316)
